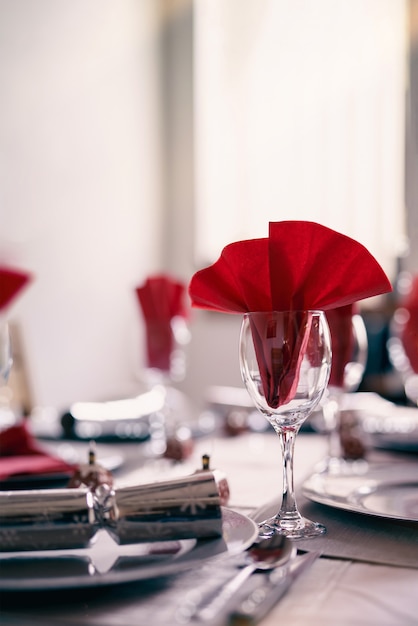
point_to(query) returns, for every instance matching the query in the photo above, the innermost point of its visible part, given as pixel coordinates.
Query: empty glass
(285, 360)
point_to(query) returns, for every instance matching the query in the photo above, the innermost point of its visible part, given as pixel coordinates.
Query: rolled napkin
(182, 508)
(21, 455)
(409, 334)
(12, 282)
(161, 299)
(300, 266)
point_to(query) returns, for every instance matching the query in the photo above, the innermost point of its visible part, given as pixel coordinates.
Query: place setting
(285, 346)
(101, 532)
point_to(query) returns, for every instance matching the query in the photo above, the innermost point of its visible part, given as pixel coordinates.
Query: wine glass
(349, 358)
(285, 360)
(6, 359)
(403, 350)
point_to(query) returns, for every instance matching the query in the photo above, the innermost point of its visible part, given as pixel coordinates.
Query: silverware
(260, 601)
(266, 554)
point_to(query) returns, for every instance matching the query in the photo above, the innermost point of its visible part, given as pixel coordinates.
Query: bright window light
(299, 114)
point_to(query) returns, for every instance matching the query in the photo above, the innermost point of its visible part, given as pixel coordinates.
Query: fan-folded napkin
(300, 266)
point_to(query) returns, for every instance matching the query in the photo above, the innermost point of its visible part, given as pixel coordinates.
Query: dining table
(363, 571)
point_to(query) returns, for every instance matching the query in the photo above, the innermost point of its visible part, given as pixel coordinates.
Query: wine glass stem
(288, 508)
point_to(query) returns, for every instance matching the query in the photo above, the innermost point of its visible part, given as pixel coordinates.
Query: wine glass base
(301, 528)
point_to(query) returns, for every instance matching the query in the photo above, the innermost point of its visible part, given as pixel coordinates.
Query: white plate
(387, 490)
(106, 563)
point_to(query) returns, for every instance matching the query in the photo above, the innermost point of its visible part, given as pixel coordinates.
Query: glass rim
(275, 311)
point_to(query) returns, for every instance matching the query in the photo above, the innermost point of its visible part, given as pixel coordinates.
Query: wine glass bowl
(403, 351)
(354, 368)
(285, 360)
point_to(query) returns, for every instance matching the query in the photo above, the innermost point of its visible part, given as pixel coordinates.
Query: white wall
(300, 116)
(80, 202)
(97, 189)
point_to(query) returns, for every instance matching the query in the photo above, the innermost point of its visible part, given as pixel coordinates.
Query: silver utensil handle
(260, 602)
(209, 611)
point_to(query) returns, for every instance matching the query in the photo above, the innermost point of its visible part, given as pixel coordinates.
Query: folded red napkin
(20, 455)
(161, 298)
(410, 332)
(341, 329)
(11, 282)
(300, 266)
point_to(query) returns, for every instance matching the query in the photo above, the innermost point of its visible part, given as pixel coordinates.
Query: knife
(260, 601)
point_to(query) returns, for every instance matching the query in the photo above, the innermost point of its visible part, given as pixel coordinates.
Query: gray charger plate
(107, 563)
(385, 490)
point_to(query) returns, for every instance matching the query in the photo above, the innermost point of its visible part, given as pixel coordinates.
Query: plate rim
(355, 507)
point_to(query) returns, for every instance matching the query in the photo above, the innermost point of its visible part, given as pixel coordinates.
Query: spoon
(266, 554)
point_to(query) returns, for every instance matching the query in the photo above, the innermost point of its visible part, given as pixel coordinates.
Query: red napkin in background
(341, 329)
(161, 298)
(410, 332)
(20, 455)
(300, 266)
(11, 282)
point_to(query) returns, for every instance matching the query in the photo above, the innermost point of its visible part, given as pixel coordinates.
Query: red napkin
(410, 332)
(300, 266)
(11, 282)
(341, 329)
(280, 344)
(161, 298)
(21, 455)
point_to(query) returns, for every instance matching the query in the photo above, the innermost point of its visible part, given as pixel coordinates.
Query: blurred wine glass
(166, 359)
(6, 359)
(7, 416)
(349, 358)
(403, 341)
